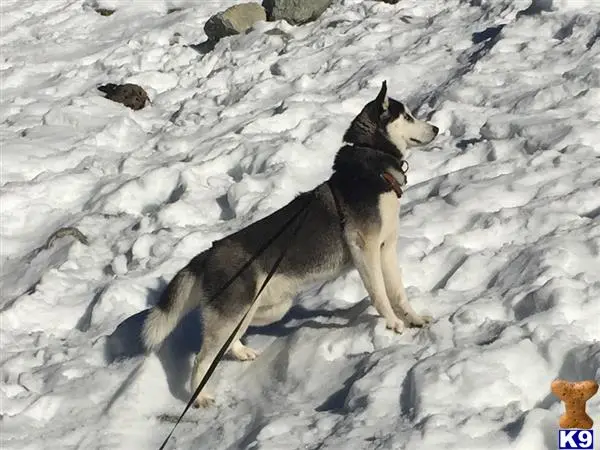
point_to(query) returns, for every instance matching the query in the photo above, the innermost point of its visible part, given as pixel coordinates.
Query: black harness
(391, 181)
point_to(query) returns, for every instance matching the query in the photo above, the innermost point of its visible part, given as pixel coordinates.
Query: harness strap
(393, 182)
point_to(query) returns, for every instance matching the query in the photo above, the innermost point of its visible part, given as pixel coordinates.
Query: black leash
(233, 334)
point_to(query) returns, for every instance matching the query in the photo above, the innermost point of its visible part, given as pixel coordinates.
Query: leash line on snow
(233, 334)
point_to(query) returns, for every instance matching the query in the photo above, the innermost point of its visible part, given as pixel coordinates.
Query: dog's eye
(408, 118)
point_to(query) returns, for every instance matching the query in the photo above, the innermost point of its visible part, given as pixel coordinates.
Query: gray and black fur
(351, 222)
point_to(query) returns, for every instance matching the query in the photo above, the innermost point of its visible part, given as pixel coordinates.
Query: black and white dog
(351, 222)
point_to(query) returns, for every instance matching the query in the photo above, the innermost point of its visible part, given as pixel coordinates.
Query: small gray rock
(295, 12)
(234, 20)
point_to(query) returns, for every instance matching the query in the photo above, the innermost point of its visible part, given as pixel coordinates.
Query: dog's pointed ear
(382, 99)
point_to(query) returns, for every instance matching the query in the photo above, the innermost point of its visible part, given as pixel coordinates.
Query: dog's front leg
(367, 260)
(394, 284)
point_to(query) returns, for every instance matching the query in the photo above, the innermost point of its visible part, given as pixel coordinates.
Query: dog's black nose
(435, 130)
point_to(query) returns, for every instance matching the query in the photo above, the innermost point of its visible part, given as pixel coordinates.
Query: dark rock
(204, 47)
(130, 95)
(234, 20)
(295, 11)
(536, 7)
(105, 11)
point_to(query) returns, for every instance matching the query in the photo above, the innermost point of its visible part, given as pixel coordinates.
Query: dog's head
(385, 119)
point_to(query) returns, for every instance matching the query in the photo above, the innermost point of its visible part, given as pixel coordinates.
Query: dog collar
(393, 182)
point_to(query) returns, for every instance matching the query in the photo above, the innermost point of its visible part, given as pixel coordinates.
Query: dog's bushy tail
(174, 303)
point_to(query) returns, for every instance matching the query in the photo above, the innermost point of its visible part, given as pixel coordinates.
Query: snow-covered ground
(500, 229)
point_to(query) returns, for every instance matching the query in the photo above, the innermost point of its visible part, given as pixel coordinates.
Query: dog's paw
(242, 353)
(395, 325)
(419, 321)
(204, 401)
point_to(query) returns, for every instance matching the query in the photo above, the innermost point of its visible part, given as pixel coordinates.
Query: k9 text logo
(575, 439)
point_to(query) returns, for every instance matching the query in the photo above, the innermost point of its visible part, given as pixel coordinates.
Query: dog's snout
(435, 130)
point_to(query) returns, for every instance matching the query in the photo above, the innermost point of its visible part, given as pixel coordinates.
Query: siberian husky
(351, 223)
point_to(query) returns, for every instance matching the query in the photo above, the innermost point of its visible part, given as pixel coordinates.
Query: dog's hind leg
(266, 315)
(395, 286)
(242, 352)
(274, 302)
(217, 327)
(238, 350)
(214, 335)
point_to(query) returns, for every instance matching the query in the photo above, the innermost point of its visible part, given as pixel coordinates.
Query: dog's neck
(355, 160)
(377, 141)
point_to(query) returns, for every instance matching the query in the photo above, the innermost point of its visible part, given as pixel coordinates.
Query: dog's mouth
(416, 141)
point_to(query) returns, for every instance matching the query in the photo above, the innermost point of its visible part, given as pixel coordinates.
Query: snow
(500, 237)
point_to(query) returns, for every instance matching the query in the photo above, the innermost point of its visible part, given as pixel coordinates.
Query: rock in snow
(295, 11)
(129, 94)
(234, 20)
